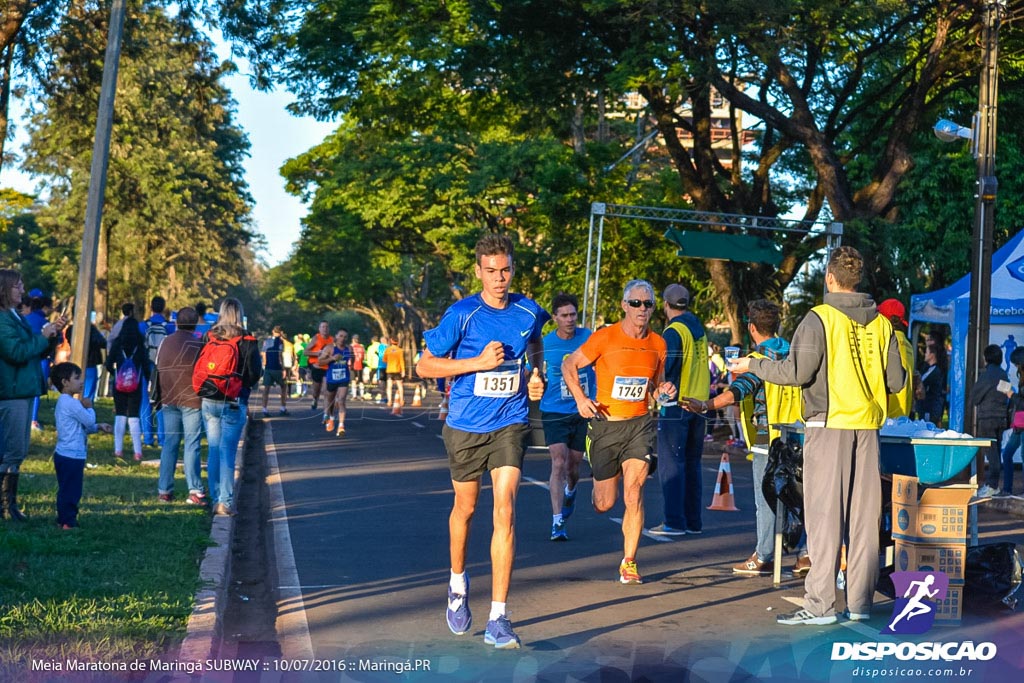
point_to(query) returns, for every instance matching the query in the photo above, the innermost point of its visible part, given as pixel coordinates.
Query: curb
(206, 623)
(292, 627)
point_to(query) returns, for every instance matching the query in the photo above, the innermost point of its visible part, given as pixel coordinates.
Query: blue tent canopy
(951, 306)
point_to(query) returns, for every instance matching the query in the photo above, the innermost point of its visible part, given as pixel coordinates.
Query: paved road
(367, 519)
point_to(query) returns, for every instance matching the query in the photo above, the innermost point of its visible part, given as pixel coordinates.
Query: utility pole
(97, 186)
(985, 198)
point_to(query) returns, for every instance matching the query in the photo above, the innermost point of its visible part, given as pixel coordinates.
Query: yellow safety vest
(900, 403)
(856, 357)
(695, 376)
(784, 405)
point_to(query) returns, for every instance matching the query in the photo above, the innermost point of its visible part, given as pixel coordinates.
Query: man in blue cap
(40, 308)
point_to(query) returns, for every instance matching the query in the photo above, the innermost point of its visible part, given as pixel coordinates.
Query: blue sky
(275, 136)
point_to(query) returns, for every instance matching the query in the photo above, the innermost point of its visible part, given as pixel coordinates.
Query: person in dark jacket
(40, 307)
(1016, 406)
(932, 389)
(225, 417)
(21, 381)
(990, 404)
(128, 345)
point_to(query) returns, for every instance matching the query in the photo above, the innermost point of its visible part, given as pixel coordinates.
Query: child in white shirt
(75, 420)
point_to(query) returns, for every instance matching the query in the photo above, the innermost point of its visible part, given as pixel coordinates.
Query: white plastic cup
(731, 353)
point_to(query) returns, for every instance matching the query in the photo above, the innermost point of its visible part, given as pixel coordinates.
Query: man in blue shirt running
(565, 431)
(481, 343)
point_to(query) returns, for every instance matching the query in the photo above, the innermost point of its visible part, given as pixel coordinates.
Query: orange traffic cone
(724, 498)
(397, 408)
(417, 398)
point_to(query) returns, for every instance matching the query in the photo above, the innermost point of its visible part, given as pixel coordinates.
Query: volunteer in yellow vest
(902, 402)
(846, 359)
(680, 433)
(761, 404)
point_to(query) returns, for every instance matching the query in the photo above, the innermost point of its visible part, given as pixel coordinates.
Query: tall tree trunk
(100, 300)
(11, 22)
(602, 120)
(5, 98)
(579, 139)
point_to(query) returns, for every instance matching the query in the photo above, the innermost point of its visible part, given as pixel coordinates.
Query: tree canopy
(840, 98)
(176, 216)
(473, 116)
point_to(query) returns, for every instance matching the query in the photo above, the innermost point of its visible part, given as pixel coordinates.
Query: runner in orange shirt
(317, 370)
(394, 368)
(630, 362)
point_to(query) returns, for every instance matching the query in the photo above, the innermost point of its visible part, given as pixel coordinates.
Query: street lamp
(947, 131)
(983, 136)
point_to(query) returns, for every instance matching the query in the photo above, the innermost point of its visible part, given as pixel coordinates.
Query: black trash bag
(885, 585)
(768, 482)
(783, 480)
(885, 521)
(792, 529)
(784, 475)
(992, 574)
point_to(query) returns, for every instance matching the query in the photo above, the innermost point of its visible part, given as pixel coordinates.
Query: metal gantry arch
(737, 224)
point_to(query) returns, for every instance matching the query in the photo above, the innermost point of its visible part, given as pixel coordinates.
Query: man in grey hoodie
(846, 359)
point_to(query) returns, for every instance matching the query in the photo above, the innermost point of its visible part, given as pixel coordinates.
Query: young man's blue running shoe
(568, 505)
(458, 615)
(558, 531)
(499, 633)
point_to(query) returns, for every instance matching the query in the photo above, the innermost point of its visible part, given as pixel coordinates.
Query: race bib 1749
(629, 389)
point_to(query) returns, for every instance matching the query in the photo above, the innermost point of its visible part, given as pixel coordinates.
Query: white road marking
(292, 627)
(417, 424)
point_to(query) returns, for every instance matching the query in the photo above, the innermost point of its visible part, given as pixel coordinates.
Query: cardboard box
(932, 557)
(935, 515)
(949, 611)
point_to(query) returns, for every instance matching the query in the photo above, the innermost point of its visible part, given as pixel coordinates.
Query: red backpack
(216, 372)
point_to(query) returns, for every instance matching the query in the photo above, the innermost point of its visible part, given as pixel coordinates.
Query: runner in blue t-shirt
(565, 430)
(487, 336)
(273, 369)
(338, 358)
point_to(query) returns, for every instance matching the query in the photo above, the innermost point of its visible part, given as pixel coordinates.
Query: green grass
(120, 587)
